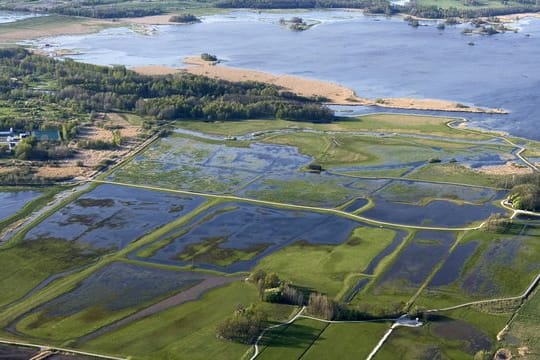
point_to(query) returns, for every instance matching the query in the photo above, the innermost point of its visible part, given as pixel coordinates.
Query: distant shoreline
(334, 93)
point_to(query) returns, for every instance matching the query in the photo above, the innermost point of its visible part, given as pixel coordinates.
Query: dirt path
(41, 347)
(190, 294)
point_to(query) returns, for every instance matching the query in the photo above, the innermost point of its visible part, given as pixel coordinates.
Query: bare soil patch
(509, 168)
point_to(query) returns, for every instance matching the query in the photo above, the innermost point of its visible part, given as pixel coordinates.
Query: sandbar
(334, 93)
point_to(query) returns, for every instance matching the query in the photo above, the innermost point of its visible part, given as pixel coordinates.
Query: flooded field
(182, 163)
(435, 213)
(416, 261)
(234, 236)
(13, 201)
(106, 294)
(453, 266)
(111, 216)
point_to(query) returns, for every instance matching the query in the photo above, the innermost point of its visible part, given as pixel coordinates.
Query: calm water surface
(376, 56)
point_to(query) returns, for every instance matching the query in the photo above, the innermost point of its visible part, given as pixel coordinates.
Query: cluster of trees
(526, 196)
(184, 18)
(524, 190)
(244, 326)
(436, 12)
(107, 12)
(496, 223)
(300, 4)
(208, 57)
(30, 149)
(272, 289)
(327, 308)
(77, 88)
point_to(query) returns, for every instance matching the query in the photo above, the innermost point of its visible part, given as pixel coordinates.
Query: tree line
(75, 88)
(436, 12)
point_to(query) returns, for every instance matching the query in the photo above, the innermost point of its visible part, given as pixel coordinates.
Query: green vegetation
(186, 18)
(32, 262)
(244, 326)
(346, 341)
(328, 268)
(185, 331)
(525, 193)
(210, 252)
(208, 57)
(291, 342)
(525, 327)
(76, 89)
(456, 173)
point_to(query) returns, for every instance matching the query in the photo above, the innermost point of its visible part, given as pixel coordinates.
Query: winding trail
(519, 153)
(256, 345)
(524, 295)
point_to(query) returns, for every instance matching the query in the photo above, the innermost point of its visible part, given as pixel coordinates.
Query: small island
(296, 23)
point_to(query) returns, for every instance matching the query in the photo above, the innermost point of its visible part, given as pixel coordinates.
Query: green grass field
(524, 331)
(186, 331)
(503, 265)
(291, 341)
(327, 268)
(346, 341)
(30, 263)
(388, 123)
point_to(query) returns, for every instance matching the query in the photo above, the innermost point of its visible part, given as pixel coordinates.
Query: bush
(184, 19)
(208, 57)
(244, 326)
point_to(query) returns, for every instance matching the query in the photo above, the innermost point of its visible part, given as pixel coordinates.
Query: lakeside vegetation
(114, 9)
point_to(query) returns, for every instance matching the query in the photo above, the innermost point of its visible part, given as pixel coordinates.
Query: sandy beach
(335, 93)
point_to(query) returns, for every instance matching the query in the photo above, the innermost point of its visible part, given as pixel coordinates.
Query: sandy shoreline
(335, 93)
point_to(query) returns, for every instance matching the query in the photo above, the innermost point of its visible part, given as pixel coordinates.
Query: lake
(375, 56)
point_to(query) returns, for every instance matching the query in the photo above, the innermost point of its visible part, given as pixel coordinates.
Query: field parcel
(76, 278)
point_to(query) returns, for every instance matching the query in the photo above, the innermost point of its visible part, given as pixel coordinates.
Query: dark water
(120, 286)
(249, 226)
(377, 57)
(436, 213)
(11, 202)
(418, 259)
(450, 270)
(112, 216)
(356, 204)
